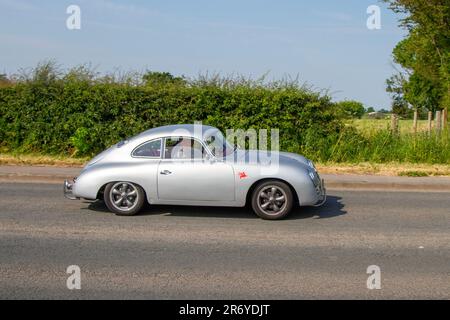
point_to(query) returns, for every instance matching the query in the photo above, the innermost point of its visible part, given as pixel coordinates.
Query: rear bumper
(68, 190)
(322, 192)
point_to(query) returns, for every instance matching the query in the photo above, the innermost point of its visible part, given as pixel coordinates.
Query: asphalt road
(190, 252)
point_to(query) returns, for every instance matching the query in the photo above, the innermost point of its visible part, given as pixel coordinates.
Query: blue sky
(325, 42)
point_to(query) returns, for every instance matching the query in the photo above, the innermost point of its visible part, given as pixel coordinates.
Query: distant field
(371, 125)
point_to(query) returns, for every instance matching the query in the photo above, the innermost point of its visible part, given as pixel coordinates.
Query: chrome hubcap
(124, 196)
(272, 200)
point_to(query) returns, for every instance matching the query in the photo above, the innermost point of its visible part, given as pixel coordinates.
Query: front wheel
(124, 198)
(272, 200)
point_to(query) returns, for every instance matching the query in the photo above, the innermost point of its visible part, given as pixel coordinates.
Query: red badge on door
(242, 175)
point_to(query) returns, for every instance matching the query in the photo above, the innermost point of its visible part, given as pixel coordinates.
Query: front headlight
(313, 177)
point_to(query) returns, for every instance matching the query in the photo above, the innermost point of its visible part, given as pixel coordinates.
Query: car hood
(264, 157)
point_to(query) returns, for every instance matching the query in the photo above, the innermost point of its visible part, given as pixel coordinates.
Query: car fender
(291, 172)
(93, 178)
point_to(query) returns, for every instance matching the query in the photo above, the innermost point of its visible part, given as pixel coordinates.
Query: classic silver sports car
(195, 165)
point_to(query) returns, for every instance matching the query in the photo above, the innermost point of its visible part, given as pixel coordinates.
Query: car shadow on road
(332, 208)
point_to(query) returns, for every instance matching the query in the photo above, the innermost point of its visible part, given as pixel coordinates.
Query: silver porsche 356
(195, 165)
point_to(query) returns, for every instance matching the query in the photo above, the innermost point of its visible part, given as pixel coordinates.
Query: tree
(424, 54)
(396, 87)
(153, 78)
(422, 86)
(370, 110)
(350, 109)
(401, 108)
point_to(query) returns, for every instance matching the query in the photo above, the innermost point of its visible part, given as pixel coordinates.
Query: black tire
(117, 191)
(270, 212)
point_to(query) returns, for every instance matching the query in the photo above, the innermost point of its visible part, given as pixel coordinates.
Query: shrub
(350, 109)
(76, 113)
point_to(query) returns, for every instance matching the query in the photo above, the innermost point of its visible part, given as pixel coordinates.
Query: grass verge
(40, 160)
(386, 169)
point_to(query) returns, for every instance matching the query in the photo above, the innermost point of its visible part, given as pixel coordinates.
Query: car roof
(193, 130)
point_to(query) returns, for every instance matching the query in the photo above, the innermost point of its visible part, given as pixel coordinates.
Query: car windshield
(218, 145)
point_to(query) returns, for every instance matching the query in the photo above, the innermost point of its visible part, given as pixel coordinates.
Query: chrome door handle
(165, 172)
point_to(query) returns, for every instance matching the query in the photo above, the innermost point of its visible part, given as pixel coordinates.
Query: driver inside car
(186, 149)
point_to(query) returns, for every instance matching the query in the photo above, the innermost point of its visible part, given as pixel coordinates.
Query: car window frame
(212, 154)
(208, 152)
(161, 140)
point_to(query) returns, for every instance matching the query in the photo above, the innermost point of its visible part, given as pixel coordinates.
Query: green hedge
(82, 117)
(79, 114)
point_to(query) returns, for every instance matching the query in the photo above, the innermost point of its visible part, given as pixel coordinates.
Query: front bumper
(68, 192)
(322, 192)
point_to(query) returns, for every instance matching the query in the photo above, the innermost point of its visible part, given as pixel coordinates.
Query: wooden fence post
(394, 123)
(430, 119)
(444, 118)
(438, 121)
(415, 121)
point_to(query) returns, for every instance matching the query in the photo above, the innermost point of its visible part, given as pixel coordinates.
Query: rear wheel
(272, 200)
(124, 198)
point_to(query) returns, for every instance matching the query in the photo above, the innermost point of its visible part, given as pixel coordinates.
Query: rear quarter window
(150, 149)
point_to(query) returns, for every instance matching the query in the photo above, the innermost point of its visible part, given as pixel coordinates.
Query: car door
(186, 174)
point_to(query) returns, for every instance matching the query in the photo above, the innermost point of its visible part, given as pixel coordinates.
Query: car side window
(151, 149)
(183, 148)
